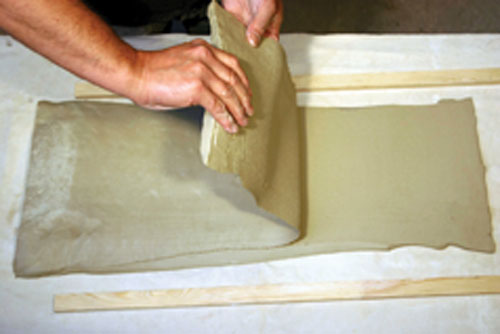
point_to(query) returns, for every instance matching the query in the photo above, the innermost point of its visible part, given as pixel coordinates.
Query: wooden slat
(86, 90)
(307, 83)
(419, 79)
(282, 293)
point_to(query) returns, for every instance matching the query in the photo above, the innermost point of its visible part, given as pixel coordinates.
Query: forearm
(72, 36)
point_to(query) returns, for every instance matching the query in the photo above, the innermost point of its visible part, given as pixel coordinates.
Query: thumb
(260, 22)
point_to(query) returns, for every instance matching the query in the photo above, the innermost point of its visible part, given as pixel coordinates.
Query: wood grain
(383, 80)
(419, 79)
(281, 293)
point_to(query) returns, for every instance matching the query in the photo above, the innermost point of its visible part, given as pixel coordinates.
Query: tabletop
(26, 304)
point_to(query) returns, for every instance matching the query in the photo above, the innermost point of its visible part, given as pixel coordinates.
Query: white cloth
(26, 305)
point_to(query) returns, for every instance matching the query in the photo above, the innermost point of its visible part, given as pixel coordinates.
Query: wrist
(129, 74)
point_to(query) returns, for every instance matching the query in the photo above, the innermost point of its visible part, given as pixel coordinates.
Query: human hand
(262, 18)
(194, 73)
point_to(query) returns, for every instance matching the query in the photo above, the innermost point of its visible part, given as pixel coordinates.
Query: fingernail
(253, 38)
(250, 111)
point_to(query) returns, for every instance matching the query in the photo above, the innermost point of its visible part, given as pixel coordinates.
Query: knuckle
(246, 100)
(237, 110)
(259, 30)
(202, 51)
(225, 90)
(217, 107)
(233, 78)
(225, 119)
(234, 62)
(198, 68)
(198, 41)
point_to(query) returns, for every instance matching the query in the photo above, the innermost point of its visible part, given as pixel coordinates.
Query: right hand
(194, 73)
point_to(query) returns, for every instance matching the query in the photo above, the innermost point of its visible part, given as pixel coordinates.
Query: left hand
(262, 18)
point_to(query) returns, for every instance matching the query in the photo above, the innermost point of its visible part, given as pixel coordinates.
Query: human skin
(193, 73)
(262, 18)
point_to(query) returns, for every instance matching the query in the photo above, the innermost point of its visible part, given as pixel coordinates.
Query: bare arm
(72, 36)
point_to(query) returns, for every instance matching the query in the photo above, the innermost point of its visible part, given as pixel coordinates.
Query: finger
(233, 80)
(243, 94)
(273, 30)
(216, 108)
(228, 59)
(232, 62)
(226, 94)
(240, 10)
(210, 57)
(260, 22)
(199, 41)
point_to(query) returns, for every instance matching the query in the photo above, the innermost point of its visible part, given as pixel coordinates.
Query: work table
(26, 78)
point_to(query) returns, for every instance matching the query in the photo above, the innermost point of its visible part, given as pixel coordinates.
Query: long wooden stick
(307, 83)
(282, 293)
(417, 79)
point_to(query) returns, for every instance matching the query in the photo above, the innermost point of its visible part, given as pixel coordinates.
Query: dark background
(314, 16)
